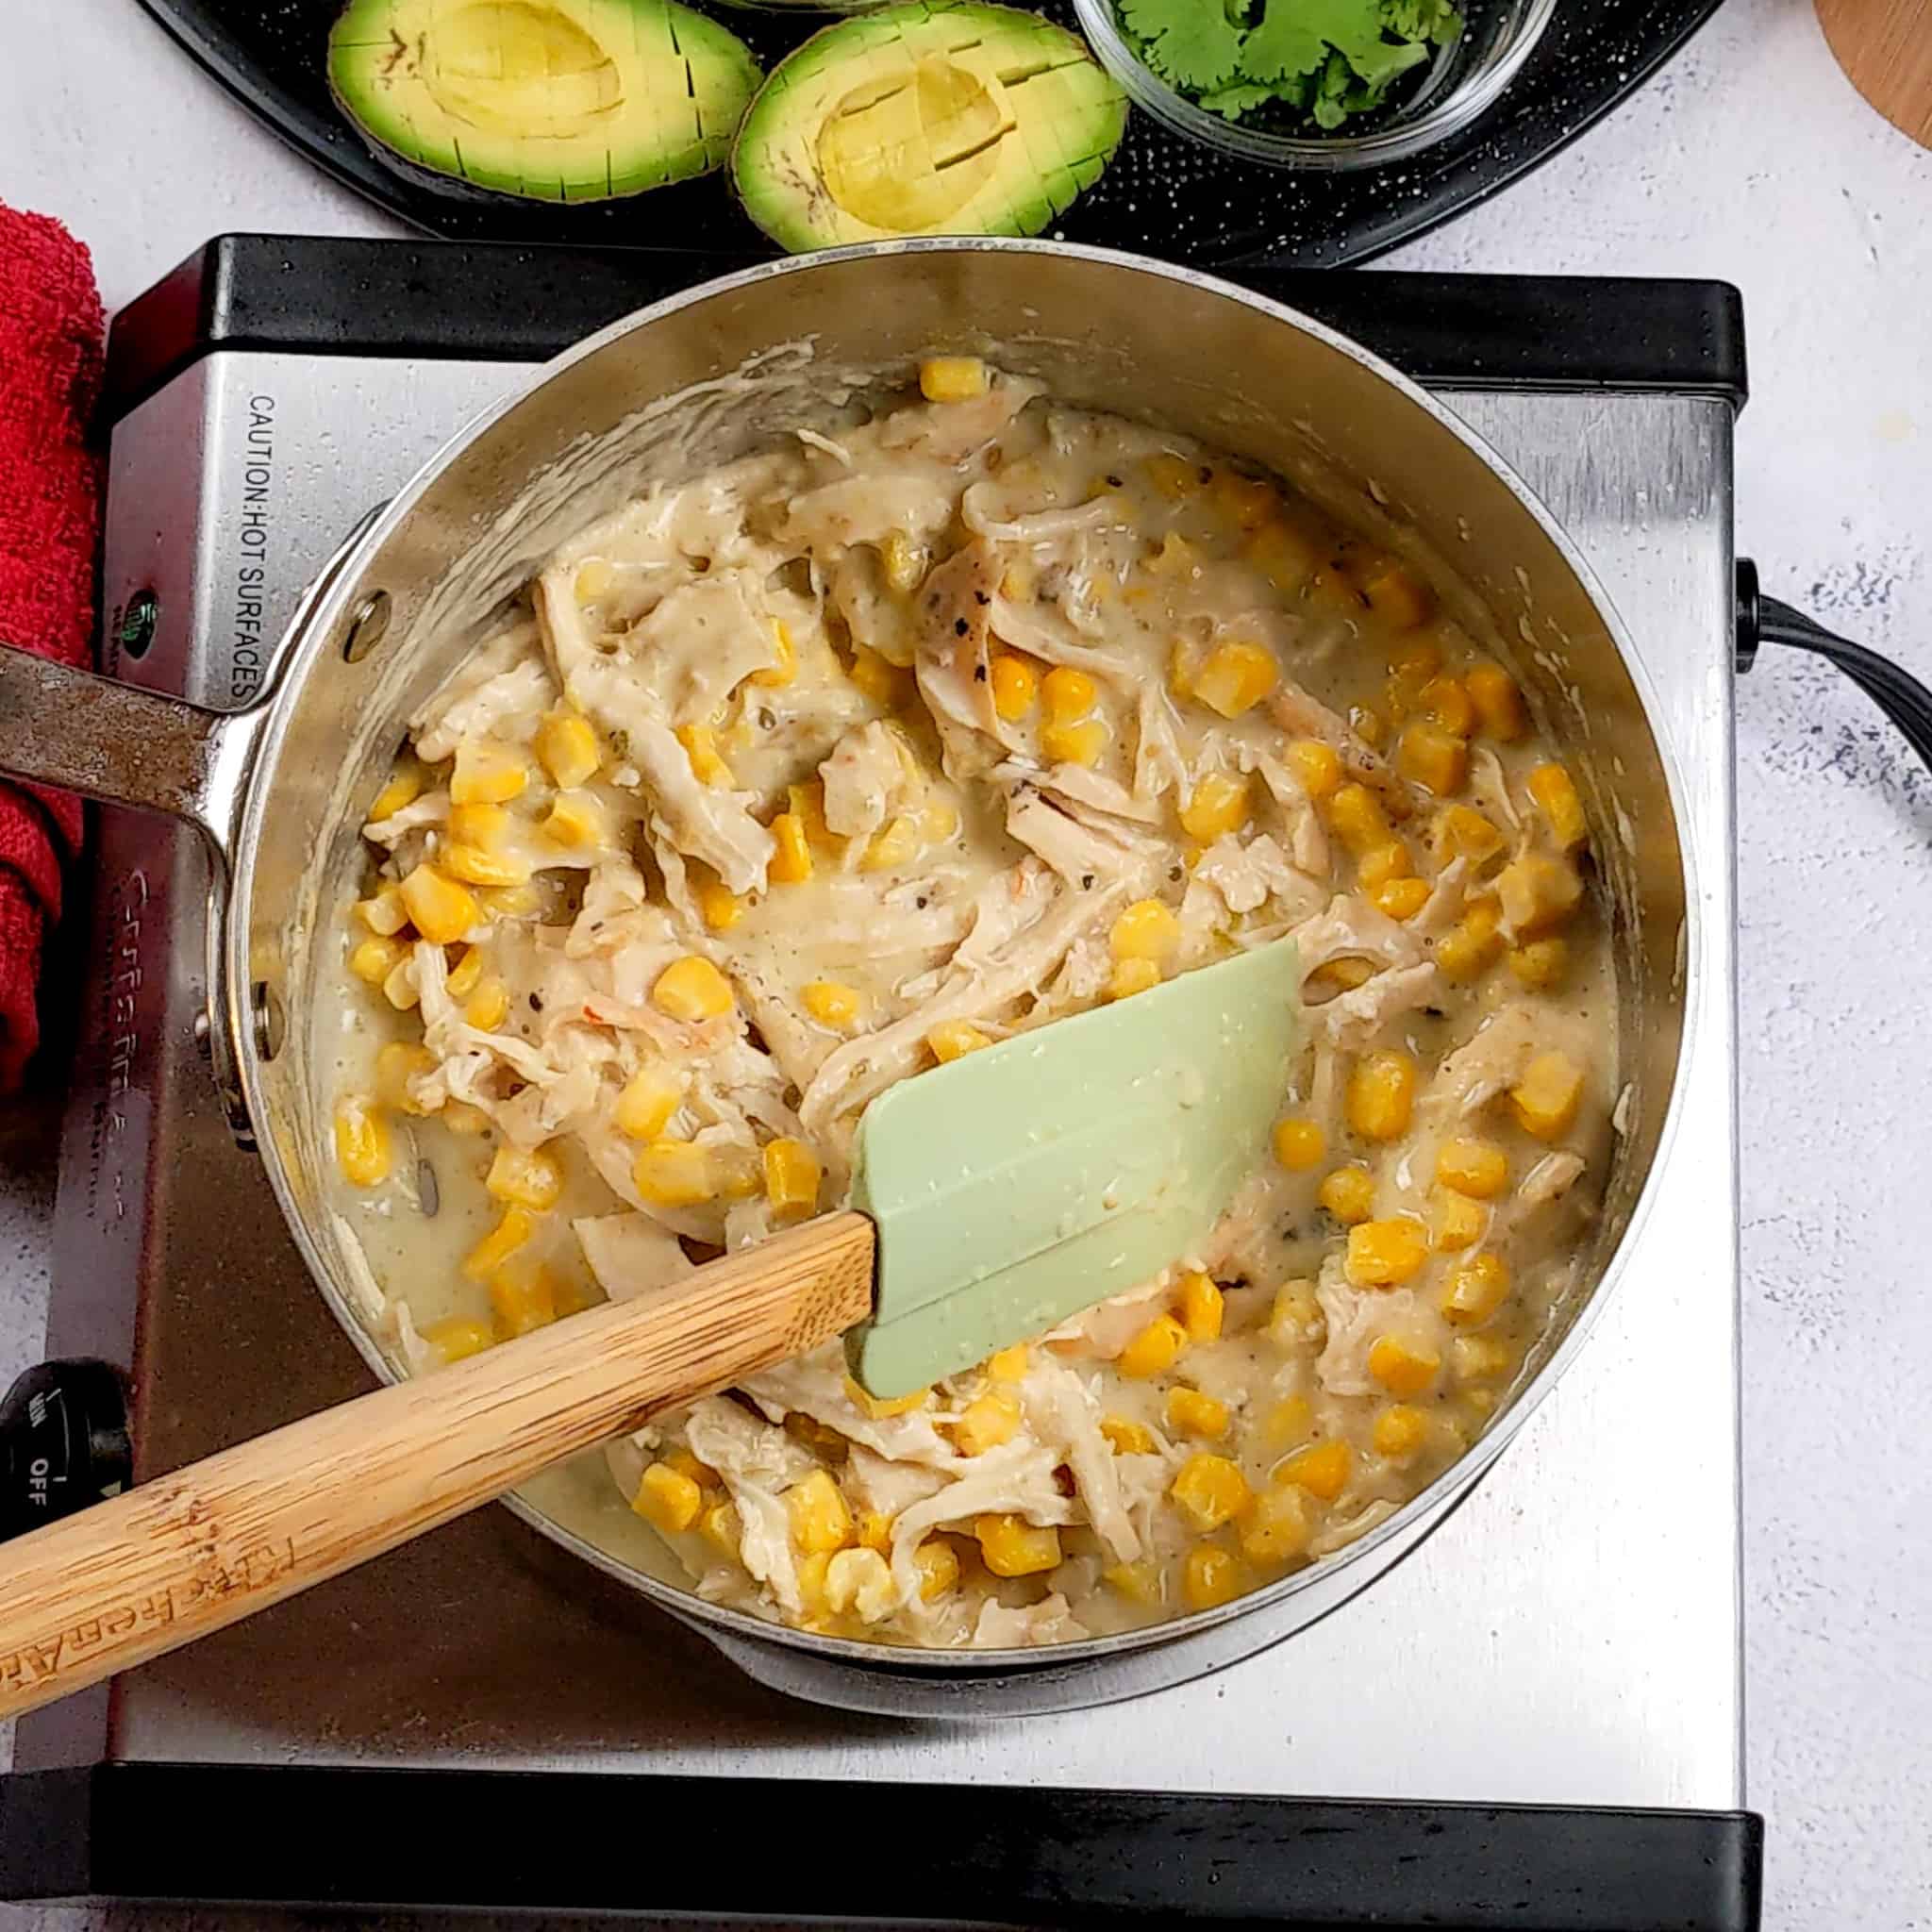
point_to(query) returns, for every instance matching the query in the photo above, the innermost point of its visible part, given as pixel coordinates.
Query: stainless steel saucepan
(710, 376)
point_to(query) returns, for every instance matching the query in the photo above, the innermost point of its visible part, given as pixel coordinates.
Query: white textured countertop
(1750, 158)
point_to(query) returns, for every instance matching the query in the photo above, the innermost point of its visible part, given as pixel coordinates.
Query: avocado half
(926, 120)
(551, 100)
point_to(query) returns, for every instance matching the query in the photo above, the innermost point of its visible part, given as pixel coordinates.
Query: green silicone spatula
(994, 1197)
(1018, 1185)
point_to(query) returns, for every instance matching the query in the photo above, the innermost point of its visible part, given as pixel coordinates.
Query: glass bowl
(1463, 82)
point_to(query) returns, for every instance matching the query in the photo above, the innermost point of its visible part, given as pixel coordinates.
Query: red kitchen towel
(50, 513)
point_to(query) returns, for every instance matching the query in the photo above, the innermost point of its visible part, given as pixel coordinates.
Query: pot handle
(122, 745)
(1893, 690)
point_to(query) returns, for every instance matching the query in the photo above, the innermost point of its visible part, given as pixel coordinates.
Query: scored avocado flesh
(922, 119)
(551, 100)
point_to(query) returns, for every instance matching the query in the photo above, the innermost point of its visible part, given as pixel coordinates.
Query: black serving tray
(1162, 195)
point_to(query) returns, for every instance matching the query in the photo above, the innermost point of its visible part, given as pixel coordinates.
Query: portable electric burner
(1534, 1720)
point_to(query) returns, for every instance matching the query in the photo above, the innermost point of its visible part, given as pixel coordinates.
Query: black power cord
(1896, 693)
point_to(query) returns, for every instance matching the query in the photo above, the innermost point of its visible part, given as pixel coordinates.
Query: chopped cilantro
(1322, 60)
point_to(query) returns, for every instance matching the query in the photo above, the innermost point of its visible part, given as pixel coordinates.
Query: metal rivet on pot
(367, 624)
(271, 1029)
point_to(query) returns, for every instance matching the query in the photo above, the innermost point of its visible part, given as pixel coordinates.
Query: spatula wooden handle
(202, 1548)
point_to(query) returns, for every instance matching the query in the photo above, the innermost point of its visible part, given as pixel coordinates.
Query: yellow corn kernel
(1192, 1413)
(1291, 1420)
(938, 1563)
(593, 580)
(874, 1530)
(1180, 666)
(1403, 1368)
(1385, 1254)
(1359, 822)
(1555, 792)
(1498, 702)
(1368, 726)
(507, 902)
(985, 1424)
(720, 908)
(1477, 1290)
(1536, 892)
(1074, 744)
(476, 867)
(487, 774)
(1011, 1546)
(673, 1173)
(1398, 1431)
(1296, 1320)
(1139, 1583)
(1155, 1350)
(1146, 930)
(881, 1407)
(831, 1003)
(1381, 1094)
(692, 990)
(396, 1066)
(404, 787)
(1218, 806)
(892, 845)
(1469, 946)
(719, 1527)
(1015, 687)
(952, 378)
(383, 912)
(1068, 694)
(567, 748)
(1210, 1576)
(534, 1179)
(1299, 1143)
(1316, 767)
(792, 862)
(456, 1337)
(483, 825)
(667, 1500)
(1400, 598)
(647, 1102)
(488, 1007)
(522, 1299)
(1481, 1358)
(364, 1150)
(374, 959)
(1459, 831)
(1445, 703)
(821, 1522)
(707, 765)
(939, 823)
(950, 1039)
(466, 975)
(1209, 1490)
(1321, 1467)
(1401, 898)
(904, 561)
(1455, 1221)
(441, 910)
(1432, 758)
(400, 989)
(1236, 679)
(881, 681)
(1477, 1168)
(1202, 1307)
(1546, 1099)
(1348, 1194)
(685, 1463)
(859, 1583)
(1248, 502)
(784, 665)
(1277, 1530)
(574, 821)
(1540, 965)
(1130, 977)
(1126, 1437)
(1381, 863)
(1009, 1364)
(510, 1233)
(459, 1117)
(791, 1178)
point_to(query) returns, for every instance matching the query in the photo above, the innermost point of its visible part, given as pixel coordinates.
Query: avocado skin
(368, 43)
